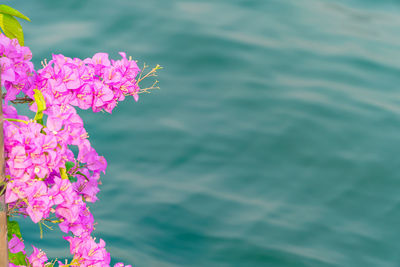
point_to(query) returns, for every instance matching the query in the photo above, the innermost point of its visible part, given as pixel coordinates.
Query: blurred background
(273, 141)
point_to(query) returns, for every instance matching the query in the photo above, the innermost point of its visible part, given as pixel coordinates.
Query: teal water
(273, 142)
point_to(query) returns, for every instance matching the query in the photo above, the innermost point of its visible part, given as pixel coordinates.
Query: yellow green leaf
(41, 105)
(63, 173)
(11, 28)
(13, 12)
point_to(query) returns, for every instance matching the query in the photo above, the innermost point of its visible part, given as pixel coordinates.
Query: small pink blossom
(15, 244)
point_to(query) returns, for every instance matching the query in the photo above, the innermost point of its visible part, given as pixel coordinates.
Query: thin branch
(20, 100)
(152, 87)
(151, 73)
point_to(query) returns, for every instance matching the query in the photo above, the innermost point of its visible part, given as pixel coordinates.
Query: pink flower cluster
(37, 258)
(45, 179)
(16, 67)
(96, 82)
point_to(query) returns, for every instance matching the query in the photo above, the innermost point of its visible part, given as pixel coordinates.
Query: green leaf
(41, 105)
(17, 258)
(69, 165)
(13, 12)
(72, 179)
(11, 28)
(13, 228)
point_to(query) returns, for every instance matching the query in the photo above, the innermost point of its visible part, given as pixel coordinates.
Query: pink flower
(37, 258)
(15, 244)
(88, 251)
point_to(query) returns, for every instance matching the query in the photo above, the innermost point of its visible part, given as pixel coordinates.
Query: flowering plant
(44, 179)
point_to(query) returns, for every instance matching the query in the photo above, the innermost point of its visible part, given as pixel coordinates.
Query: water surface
(273, 142)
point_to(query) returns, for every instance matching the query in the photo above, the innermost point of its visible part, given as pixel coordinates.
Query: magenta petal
(15, 245)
